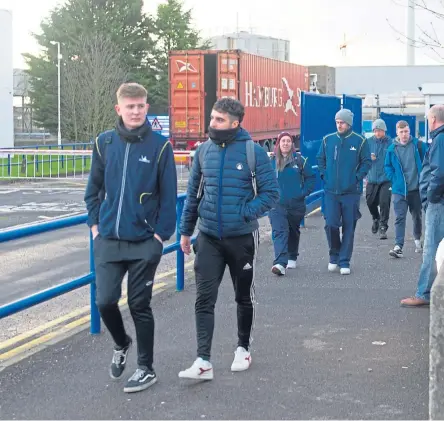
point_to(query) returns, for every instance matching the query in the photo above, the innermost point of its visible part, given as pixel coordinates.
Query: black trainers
(396, 252)
(383, 234)
(119, 360)
(375, 226)
(141, 379)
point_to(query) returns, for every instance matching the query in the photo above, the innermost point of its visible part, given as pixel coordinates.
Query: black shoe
(119, 360)
(383, 234)
(141, 379)
(375, 226)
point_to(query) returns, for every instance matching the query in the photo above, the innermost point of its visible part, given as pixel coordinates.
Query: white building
(275, 48)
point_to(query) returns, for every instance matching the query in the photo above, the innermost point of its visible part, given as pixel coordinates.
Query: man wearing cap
(343, 162)
(378, 192)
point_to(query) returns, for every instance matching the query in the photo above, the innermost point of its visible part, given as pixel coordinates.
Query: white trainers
(200, 370)
(242, 360)
(332, 267)
(418, 246)
(278, 270)
(345, 271)
(291, 264)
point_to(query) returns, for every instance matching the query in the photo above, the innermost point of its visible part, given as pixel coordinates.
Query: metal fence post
(180, 257)
(95, 315)
(9, 165)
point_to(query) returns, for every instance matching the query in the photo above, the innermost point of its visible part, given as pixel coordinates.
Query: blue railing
(313, 201)
(89, 279)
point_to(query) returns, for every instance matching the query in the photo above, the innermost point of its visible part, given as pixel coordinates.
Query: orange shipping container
(269, 89)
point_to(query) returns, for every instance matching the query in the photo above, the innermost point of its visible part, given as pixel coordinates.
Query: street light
(59, 57)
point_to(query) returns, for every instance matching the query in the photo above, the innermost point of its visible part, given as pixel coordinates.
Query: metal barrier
(48, 294)
(55, 291)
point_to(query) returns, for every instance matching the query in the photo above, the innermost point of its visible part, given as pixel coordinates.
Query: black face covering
(134, 135)
(223, 136)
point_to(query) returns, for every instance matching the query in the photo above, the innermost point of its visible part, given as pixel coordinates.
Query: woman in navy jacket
(296, 181)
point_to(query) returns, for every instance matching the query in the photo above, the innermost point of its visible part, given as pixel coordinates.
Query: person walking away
(296, 181)
(228, 193)
(343, 162)
(135, 168)
(432, 196)
(403, 165)
(378, 192)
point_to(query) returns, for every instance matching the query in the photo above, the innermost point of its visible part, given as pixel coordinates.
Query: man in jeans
(432, 196)
(228, 210)
(135, 168)
(403, 164)
(378, 191)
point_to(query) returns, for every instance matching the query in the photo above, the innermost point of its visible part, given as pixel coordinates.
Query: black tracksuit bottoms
(113, 259)
(212, 256)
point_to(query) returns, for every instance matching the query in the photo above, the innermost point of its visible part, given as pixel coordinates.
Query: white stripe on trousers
(252, 289)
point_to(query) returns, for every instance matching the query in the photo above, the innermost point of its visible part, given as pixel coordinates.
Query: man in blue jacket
(403, 164)
(343, 162)
(135, 168)
(431, 186)
(221, 194)
(378, 192)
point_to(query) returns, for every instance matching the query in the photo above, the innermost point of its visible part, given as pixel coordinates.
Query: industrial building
(264, 46)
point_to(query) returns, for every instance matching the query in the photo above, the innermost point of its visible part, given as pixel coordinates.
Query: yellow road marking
(23, 336)
(64, 329)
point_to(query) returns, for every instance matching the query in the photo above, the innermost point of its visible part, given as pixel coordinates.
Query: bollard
(436, 353)
(180, 257)
(95, 315)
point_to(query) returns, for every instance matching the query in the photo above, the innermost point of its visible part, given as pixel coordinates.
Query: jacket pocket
(146, 209)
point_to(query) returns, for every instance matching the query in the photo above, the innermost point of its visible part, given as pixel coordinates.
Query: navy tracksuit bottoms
(341, 211)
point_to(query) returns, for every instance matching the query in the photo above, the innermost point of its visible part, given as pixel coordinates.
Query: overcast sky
(315, 28)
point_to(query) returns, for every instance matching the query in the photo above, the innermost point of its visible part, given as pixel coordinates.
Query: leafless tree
(428, 37)
(91, 75)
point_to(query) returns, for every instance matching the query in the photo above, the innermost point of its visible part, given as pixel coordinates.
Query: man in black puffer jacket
(228, 212)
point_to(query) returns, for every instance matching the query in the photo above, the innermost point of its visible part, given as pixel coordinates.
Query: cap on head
(345, 115)
(379, 124)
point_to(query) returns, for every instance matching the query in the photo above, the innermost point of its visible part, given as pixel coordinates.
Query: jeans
(401, 204)
(434, 233)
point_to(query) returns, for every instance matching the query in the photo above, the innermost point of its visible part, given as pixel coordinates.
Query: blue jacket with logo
(343, 162)
(295, 183)
(228, 207)
(140, 182)
(393, 167)
(379, 147)
(431, 182)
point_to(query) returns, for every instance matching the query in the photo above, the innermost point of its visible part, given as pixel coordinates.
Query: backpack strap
(420, 150)
(108, 139)
(251, 160)
(203, 149)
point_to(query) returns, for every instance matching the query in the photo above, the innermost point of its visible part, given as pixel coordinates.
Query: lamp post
(59, 57)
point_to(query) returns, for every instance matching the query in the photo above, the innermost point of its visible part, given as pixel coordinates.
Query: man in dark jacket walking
(343, 162)
(135, 169)
(378, 191)
(228, 228)
(431, 186)
(403, 165)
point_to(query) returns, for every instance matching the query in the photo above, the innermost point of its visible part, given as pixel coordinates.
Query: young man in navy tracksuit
(403, 165)
(296, 181)
(228, 212)
(135, 168)
(343, 162)
(378, 192)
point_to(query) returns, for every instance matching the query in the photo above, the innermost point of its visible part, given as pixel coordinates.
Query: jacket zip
(122, 189)
(219, 205)
(337, 154)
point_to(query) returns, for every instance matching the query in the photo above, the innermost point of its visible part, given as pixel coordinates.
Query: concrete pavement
(313, 352)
